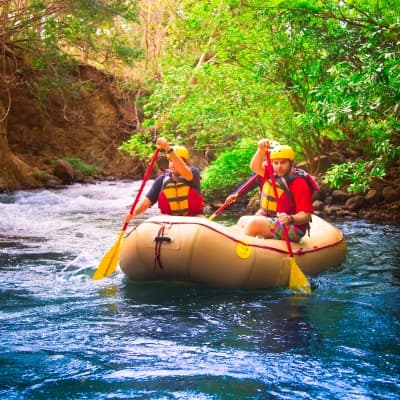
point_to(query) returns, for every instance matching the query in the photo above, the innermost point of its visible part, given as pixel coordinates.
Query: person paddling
(294, 207)
(177, 190)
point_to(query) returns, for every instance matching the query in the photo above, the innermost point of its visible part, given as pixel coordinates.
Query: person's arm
(140, 208)
(231, 198)
(300, 218)
(150, 198)
(196, 178)
(246, 187)
(257, 162)
(181, 167)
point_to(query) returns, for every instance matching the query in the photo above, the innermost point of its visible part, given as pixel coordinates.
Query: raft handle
(162, 239)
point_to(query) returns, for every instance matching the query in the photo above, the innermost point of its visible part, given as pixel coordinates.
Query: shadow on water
(263, 320)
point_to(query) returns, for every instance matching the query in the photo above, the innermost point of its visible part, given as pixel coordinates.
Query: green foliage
(139, 145)
(357, 175)
(298, 71)
(228, 171)
(79, 165)
(55, 36)
(339, 175)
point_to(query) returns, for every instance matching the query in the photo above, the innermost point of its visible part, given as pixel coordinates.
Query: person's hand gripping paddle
(232, 198)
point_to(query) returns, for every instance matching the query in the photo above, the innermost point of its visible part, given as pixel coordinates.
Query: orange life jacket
(268, 201)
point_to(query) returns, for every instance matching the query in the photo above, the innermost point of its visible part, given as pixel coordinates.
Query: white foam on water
(79, 217)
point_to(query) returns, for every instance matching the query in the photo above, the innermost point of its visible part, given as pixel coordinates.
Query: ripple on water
(65, 336)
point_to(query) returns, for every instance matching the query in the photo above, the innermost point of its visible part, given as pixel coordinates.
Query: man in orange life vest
(294, 206)
(177, 190)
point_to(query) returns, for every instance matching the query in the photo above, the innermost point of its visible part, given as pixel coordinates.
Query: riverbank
(36, 144)
(381, 204)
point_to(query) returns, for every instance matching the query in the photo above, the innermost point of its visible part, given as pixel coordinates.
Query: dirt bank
(35, 136)
(89, 127)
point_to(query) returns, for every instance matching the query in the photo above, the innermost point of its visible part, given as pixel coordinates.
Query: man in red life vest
(293, 207)
(177, 190)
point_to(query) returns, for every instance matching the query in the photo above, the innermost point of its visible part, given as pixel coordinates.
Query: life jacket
(179, 198)
(298, 172)
(268, 201)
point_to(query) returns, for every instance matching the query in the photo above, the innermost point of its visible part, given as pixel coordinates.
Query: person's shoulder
(160, 178)
(195, 170)
(165, 173)
(308, 179)
(300, 182)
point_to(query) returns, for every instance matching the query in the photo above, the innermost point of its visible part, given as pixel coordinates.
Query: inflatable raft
(198, 250)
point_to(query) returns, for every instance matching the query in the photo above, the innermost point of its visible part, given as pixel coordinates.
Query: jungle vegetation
(224, 73)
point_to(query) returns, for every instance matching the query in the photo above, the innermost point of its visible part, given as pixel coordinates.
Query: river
(66, 336)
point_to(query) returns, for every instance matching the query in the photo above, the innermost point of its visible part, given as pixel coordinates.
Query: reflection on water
(65, 336)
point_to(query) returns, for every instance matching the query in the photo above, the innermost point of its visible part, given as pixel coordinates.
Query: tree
(42, 43)
(296, 71)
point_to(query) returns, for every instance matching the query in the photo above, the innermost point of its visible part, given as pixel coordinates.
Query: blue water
(65, 336)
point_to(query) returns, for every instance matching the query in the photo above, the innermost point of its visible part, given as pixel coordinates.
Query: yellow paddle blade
(297, 280)
(109, 262)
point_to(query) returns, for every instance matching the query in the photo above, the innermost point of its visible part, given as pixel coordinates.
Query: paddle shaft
(109, 262)
(272, 175)
(144, 181)
(245, 186)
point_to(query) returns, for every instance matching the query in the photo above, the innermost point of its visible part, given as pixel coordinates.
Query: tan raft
(197, 250)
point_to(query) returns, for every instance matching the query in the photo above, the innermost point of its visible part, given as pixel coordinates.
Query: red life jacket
(179, 198)
(268, 201)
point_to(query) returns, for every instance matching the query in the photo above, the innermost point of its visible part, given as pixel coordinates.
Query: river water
(65, 336)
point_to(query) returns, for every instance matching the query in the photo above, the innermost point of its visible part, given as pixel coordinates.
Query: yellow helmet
(282, 151)
(182, 152)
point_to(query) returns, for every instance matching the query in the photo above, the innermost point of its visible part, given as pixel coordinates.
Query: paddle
(242, 189)
(109, 262)
(297, 280)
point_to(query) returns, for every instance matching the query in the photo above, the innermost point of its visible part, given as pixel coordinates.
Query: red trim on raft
(298, 252)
